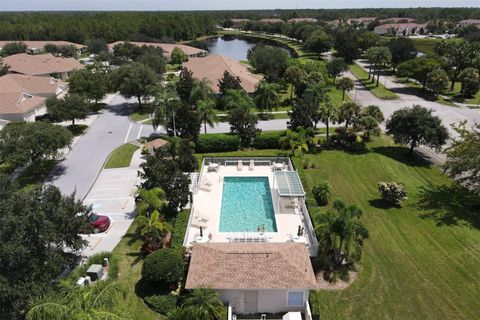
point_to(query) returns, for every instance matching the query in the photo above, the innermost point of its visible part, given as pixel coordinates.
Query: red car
(98, 222)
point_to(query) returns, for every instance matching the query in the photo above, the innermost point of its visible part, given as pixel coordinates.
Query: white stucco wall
(269, 301)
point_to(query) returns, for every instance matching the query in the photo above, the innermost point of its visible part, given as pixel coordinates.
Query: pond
(237, 47)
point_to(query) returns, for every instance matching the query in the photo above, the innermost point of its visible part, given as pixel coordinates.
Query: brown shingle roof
(250, 266)
(41, 44)
(167, 47)
(40, 64)
(18, 92)
(213, 66)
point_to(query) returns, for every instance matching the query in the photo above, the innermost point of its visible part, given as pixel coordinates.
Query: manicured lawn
(425, 46)
(417, 90)
(380, 91)
(421, 261)
(121, 156)
(36, 173)
(139, 115)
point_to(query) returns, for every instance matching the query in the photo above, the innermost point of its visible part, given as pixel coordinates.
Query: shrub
(165, 267)
(392, 192)
(321, 192)
(268, 140)
(220, 142)
(162, 303)
(179, 228)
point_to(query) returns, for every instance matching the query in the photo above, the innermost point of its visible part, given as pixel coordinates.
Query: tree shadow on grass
(138, 257)
(382, 204)
(144, 288)
(450, 205)
(400, 154)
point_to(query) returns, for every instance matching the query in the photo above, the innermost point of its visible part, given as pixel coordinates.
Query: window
(295, 299)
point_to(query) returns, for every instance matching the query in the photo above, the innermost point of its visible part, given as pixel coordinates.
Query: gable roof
(167, 47)
(250, 266)
(19, 92)
(213, 66)
(40, 64)
(31, 44)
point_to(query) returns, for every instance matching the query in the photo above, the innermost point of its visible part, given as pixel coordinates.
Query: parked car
(99, 223)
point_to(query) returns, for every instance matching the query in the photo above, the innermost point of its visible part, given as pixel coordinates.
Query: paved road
(83, 163)
(448, 115)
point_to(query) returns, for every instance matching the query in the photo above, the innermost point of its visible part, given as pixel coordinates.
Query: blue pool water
(246, 204)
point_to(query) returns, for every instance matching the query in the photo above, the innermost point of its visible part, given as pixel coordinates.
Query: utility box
(95, 272)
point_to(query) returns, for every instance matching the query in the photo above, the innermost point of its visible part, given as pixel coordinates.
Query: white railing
(185, 239)
(309, 230)
(308, 312)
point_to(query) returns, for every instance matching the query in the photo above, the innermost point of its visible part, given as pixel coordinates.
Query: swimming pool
(246, 204)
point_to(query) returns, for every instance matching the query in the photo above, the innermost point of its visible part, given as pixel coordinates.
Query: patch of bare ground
(339, 284)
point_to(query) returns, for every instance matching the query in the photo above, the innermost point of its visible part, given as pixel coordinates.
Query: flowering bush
(392, 192)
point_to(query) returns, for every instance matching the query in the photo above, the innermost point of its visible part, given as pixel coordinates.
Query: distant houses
(167, 48)
(400, 29)
(35, 47)
(212, 67)
(24, 97)
(468, 22)
(42, 65)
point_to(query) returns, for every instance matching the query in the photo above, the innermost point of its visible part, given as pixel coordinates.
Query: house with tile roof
(212, 68)
(35, 46)
(42, 65)
(400, 29)
(167, 48)
(23, 97)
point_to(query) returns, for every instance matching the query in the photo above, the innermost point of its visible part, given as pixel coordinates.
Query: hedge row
(222, 142)
(179, 229)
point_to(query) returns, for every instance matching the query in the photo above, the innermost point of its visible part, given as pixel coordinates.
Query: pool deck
(207, 201)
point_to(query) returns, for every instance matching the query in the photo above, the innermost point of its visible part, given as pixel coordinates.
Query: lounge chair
(199, 224)
(204, 187)
(200, 216)
(207, 182)
(251, 167)
(239, 165)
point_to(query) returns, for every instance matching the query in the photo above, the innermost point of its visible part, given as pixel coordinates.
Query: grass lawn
(380, 91)
(421, 261)
(417, 90)
(424, 45)
(36, 173)
(121, 156)
(139, 115)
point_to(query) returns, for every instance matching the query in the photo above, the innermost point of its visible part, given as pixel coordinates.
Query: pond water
(234, 47)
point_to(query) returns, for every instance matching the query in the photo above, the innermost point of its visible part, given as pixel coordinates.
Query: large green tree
(463, 158)
(70, 108)
(347, 45)
(319, 41)
(335, 67)
(244, 123)
(402, 49)
(417, 126)
(135, 80)
(38, 226)
(185, 84)
(23, 143)
(228, 82)
(437, 81)
(470, 80)
(91, 85)
(270, 61)
(345, 84)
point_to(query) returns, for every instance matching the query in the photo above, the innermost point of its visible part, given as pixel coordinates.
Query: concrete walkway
(113, 194)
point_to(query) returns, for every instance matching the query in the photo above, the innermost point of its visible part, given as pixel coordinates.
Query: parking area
(113, 195)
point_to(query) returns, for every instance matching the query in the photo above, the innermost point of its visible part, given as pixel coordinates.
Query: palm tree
(237, 98)
(348, 113)
(97, 302)
(266, 96)
(341, 233)
(295, 75)
(202, 304)
(150, 200)
(298, 141)
(147, 226)
(345, 84)
(321, 192)
(327, 113)
(201, 90)
(165, 104)
(206, 111)
(378, 57)
(176, 314)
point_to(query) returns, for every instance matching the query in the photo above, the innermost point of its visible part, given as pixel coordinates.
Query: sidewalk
(113, 194)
